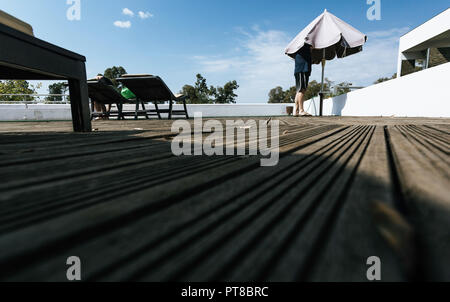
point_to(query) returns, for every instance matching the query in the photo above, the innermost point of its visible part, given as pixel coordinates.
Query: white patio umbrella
(330, 37)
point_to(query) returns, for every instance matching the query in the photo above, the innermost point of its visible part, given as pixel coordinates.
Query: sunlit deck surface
(345, 189)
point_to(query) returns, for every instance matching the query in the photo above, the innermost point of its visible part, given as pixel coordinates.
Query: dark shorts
(301, 81)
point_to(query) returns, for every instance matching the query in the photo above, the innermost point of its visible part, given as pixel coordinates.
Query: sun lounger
(148, 88)
(15, 23)
(107, 95)
(24, 57)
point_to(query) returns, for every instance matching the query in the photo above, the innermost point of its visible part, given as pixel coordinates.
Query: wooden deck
(345, 189)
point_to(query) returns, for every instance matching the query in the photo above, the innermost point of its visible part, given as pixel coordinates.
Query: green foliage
(56, 88)
(342, 88)
(381, 80)
(200, 93)
(290, 94)
(16, 87)
(113, 73)
(190, 92)
(314, 89)
(225, 94)
(278, 95)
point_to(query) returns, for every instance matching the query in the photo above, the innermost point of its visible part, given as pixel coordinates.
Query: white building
(428, 44)
(422, 86)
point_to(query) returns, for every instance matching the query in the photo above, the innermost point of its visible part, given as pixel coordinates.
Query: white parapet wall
(45, 112)
(226, 110)
(34, 112)
(421, 94)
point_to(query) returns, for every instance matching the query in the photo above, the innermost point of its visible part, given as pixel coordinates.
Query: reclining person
(99, 107)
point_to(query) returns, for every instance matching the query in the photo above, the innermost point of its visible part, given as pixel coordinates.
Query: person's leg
(108, 111)
(298, 95)
(299, 100)
(304, 79)
(97, 107)
(105, 113)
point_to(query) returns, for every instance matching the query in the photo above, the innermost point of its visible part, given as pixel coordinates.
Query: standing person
(303, 68)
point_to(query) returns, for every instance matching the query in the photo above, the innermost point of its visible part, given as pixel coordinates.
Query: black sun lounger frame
(107, 95)
(24, 57)
(149, 88)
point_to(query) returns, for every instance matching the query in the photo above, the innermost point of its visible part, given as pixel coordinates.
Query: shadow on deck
(132, 211)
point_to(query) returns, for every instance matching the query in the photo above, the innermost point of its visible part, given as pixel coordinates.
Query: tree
(381, 80)
(113, 73)
(225, 94)
(56, 88)
(200, 93)
(276, 95)
(289, 95)
(342, 88)
(314, 89)
(189, 92)
(16, 87)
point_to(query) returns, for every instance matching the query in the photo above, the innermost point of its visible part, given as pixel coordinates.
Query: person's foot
(304, 113)
(97, 119)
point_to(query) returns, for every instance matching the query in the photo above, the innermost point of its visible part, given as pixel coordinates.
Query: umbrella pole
(323, 84)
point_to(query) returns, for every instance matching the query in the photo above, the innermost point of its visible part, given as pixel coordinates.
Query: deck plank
(424, 184)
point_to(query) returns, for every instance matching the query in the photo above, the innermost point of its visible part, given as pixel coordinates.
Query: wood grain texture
(345, 189)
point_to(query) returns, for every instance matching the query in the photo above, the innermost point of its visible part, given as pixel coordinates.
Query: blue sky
(223, 40)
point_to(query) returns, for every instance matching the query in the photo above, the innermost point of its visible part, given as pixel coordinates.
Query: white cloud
(261, 64)
(128, 12)
(378, 59)
(145, 15)
(389, 32)
(122, 24)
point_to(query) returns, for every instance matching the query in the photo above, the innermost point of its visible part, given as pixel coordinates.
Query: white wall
(238, 110)
(22, 112)
(42, 112)
(422, 94)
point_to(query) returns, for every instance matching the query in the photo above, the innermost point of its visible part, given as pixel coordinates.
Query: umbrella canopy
(329, 37)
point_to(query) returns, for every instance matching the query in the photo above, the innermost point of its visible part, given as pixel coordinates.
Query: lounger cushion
(135, 75)
(104, 94)
(15, 23)
(148, 88)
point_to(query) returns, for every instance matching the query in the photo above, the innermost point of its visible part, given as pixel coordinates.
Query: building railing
(50, 98)
(36, 99)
